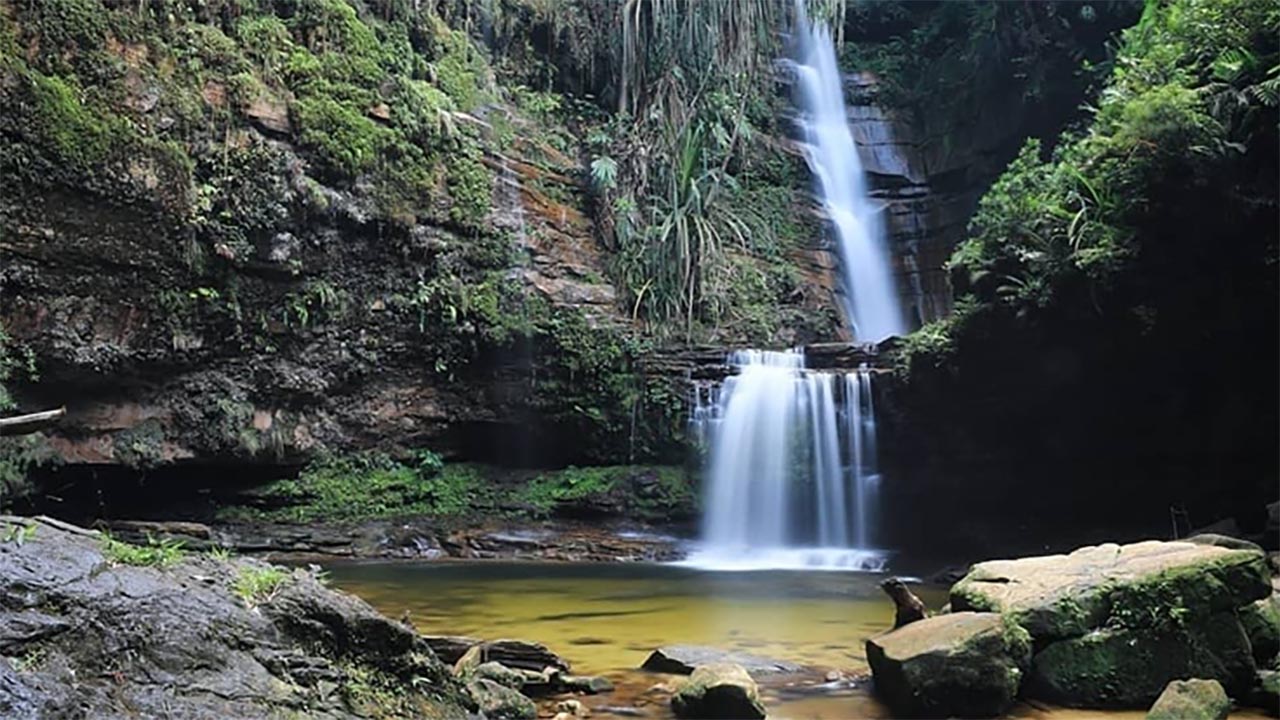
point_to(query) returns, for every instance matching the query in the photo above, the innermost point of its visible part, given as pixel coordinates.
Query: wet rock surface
(85, 636)
(962, 664)
(718, 690)
(1114, 624)
(1191, 700)
(1058, 596)
(419, 539)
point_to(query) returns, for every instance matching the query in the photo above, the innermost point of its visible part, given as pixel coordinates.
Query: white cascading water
(871, 300)
(792, 479)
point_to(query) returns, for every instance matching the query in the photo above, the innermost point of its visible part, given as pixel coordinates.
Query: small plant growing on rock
(219, 553)
(257, 585)
(156, 553)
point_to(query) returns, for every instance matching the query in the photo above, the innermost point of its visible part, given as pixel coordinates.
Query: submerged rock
(718, 690)
(1191, 700)
(1064, 596)
(1124, 668)
(92, 637)
(966, 664)
(684, 659)
(589, 684)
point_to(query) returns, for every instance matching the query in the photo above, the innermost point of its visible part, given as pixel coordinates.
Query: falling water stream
(871, 301)
(792, 474)
(792, 477)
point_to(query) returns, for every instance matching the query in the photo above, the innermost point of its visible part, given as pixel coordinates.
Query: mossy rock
(1261, 621)
(1266, 693)
(1191, 700)
(966, 664)
(718, 690)
(1141, 585)
(500, 674)
(500, 702)
(1123, 668)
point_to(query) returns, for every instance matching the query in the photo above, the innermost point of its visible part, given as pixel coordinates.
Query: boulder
(1128, 668)
(1064, 596)
(500, 674)
(1261, 621)
(1266, 693)
(499, 702)
(1191, 700)
(588, 684)
(966, 664)
(684, 659)
(515, 654)
(99, 638)
(718, 690)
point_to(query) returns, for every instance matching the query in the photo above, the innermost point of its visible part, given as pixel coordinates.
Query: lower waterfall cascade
(792, 477)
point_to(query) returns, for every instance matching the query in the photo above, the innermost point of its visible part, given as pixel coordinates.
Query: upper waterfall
(870, 298)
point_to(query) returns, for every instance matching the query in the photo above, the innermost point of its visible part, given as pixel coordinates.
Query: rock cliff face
(930, 171)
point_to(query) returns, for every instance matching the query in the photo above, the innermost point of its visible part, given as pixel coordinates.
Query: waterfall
(792, 476)
(871, 301)
(791, 480)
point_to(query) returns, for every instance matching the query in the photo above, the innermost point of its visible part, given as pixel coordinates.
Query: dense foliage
(1120, 295)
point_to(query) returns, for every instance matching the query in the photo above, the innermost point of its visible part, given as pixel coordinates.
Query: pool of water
(605, 619)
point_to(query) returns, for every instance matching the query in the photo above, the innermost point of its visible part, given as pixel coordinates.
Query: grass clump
(158, 552)
(256, 585)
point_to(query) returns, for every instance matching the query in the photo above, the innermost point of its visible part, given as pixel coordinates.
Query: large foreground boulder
(1063, 596)
(684, 659)
(1115, 624)
(962, 664)
(1124, 668)
(719, 691)
(1191, 700)
(86, 634)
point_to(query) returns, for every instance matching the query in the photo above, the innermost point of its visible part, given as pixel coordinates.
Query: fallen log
(31, 422)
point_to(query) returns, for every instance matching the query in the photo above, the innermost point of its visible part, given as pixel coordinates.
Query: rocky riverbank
(1108, 626)
(92, 627)
(418, 538)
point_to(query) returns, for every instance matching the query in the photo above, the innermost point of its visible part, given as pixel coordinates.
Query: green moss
(470, 186)
(1261, 621)
(346, 141)
(547, 490)
(1187, 594)
(1129, 668)
(359, 487)
(461, 71)
(78, 135)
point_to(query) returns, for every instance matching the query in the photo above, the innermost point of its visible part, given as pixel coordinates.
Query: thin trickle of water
(871, 301)
(789, 482)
